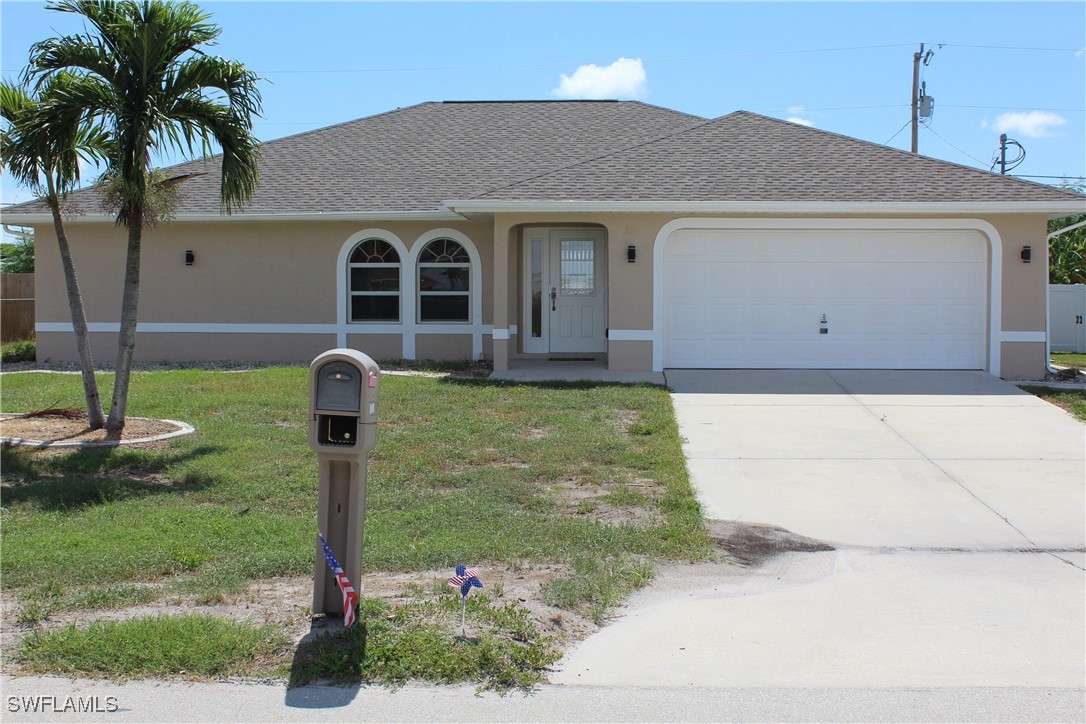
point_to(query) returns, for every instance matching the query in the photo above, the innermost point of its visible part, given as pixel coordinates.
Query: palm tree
(141, 74)
(46, 160)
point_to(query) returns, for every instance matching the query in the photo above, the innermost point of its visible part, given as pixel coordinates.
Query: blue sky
(841, 67)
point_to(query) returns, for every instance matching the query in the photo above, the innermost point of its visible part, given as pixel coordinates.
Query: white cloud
(1034, 124)
(625, 78)
(1080, 52)
(797, 113)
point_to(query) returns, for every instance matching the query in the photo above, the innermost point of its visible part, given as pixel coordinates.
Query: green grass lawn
(1069, 359)
(1074, 401)
(465, 471)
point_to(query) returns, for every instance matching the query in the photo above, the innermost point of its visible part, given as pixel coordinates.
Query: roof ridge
(293, 136)
(704, 122)
(353, 120)
(907, 154)
(801, 128)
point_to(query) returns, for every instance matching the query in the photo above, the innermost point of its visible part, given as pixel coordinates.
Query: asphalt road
(186, 702)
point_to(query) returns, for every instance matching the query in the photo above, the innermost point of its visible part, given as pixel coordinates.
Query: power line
(1029, 175)
(1017, 108)
(898, 131)
(568, 63)
(946, 105)
(1012, 47)
(952, 145)
(751, 54)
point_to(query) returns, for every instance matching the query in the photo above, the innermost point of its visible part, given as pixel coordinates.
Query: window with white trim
(444, 282)
(374, 281)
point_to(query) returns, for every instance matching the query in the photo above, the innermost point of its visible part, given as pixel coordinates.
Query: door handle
(554, 296)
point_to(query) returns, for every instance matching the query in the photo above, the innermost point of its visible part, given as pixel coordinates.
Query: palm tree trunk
(126, 341)
(95, 416)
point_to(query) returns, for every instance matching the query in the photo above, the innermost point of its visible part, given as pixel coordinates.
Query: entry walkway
(542, 370)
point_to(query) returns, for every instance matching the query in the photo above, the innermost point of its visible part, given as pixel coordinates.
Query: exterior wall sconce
(1027, 254)
(189, 257)
(631, 253)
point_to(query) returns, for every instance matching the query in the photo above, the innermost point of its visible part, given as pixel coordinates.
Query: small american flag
(465, 579)
(350, 598)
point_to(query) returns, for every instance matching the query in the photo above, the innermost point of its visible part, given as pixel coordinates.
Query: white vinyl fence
(1067, 321)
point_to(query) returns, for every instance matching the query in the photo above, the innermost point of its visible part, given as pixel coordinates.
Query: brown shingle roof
(414, 159)
(747, 157)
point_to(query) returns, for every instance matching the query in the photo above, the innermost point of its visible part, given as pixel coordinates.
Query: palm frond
(43, 139)
(141, 73)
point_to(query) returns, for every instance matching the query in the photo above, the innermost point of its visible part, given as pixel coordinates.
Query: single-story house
(618, 230)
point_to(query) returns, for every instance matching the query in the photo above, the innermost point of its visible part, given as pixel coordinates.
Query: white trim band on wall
(629, 335)
(208, 328)
(1023, 337)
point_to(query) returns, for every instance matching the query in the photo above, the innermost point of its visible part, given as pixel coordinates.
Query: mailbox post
(343, 386)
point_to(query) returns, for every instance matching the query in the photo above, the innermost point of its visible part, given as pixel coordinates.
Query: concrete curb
(183, 429)
(1051, 385)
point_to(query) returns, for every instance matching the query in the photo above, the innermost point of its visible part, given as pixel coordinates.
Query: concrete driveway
(955, 506)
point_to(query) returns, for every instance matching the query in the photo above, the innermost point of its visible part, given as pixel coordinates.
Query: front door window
(578, 267)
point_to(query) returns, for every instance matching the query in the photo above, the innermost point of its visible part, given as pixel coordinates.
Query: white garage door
(885, 299)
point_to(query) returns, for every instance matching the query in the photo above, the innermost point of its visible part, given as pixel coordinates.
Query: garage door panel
(687, 279)
(687, 319)
(891, 299)
(724, 318)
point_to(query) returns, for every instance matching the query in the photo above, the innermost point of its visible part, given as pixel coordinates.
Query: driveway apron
(954, 504)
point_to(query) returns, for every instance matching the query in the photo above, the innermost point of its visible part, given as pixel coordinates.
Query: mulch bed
(70, 425)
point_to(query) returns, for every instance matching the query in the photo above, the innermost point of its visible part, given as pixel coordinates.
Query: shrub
(22, 351)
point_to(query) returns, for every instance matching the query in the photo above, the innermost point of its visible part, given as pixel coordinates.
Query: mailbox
(343, 389)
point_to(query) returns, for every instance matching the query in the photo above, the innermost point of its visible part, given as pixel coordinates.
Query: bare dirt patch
(285, 603)
(581, 497)
(536, 433)
(623, 419)
(70, 425)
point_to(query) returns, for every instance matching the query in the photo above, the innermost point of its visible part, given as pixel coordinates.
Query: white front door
(565, 291)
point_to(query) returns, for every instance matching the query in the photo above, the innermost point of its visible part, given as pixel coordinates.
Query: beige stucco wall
(255, 272)
(244, 273)
(1023, 360)
(377, 346)
(189, 347)
(285, 273)
(627, 356)
(1024, 285)
(443, 346)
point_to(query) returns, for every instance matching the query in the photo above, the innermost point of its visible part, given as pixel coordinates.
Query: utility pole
(1001, 155)
(916, 93)
(922, 103)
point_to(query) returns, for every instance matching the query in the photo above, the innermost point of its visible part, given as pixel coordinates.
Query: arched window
(374, 281)
(444, 282)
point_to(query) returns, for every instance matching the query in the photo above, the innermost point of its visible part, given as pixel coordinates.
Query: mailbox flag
(350, 598)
